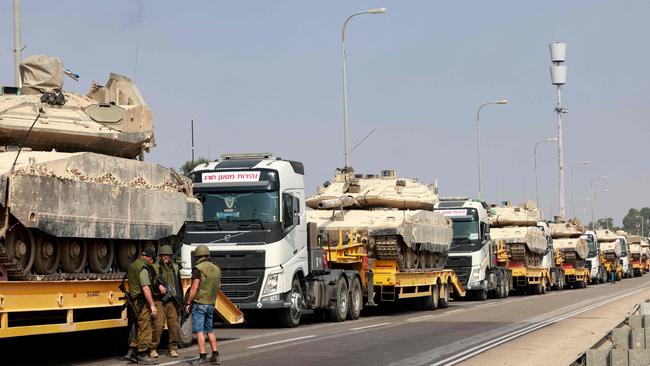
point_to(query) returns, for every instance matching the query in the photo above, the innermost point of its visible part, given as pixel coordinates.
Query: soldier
(206, 281)
(168, 275)
(140, 276)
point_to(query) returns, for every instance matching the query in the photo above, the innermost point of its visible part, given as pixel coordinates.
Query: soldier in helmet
(167, 276)
(140, 276)
(206, 281)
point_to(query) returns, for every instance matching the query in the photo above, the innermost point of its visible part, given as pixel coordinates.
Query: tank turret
(112, 119)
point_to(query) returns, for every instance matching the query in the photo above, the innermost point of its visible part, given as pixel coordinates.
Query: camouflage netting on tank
(533, 237)
(577, 245)
(42, 73)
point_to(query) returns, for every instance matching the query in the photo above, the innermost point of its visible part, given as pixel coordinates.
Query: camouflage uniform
(168, 310)
(140, 274)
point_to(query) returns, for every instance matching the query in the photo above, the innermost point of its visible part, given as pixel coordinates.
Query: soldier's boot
(153, 353)
(214, 359)
(173, 353)
(131, 355)
(202, 360)
(145, 359)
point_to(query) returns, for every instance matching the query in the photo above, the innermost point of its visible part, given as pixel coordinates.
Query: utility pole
(558, 78)
(18, 48)
(192, 132)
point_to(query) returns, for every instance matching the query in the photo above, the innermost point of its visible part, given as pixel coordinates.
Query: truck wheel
(443, 302)
(340, 309)
(185, 336)
(481, 295)
(356, 300)
(432, 302)
(290, 318)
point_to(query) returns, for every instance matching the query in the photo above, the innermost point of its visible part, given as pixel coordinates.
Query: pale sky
(266, 76)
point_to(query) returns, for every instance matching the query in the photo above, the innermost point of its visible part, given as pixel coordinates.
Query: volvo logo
(227, 237)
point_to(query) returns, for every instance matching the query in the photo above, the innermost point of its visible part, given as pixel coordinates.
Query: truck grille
(242, 285)
(462, 267)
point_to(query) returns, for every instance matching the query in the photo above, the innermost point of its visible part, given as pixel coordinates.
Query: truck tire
(340, 310)
(432, 302)
(602, 278)
(443, 302)
(356, 300)
(290, 317)
(481, 295)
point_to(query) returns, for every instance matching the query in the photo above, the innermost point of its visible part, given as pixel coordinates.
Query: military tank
(76, 202)
(516, 227)
(391, 217)
(568, 244)
(610, 245)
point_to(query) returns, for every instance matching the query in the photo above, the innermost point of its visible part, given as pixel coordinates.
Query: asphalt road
(396, 336)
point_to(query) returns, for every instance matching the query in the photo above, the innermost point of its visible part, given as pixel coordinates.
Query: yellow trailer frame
(576, 275)
(48, 307)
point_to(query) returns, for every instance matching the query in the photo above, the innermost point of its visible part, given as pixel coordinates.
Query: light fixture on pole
(478, 142)
(594, 202)
(591, 193)
(535, 158)
(346, 132)
(558, 78)
(573, 184)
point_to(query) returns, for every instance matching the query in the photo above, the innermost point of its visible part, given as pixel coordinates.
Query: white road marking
(471, 352)
(422, 317)
(282, 341)
(369, 326)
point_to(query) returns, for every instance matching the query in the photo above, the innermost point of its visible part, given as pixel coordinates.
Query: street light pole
(478, 142)
(573, 184)
(346, 132)
(591, 193)
(558, 78)
(18, 48)
(535, 158)
(595, 205)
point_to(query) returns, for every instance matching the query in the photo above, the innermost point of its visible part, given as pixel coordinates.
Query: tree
(637, 219)
(189, 165)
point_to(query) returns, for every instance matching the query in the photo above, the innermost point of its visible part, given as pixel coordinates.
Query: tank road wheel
(356, 300)
(48, 255)
(290, 317)
(20, 245)
(127, 252)
(431, 260)
(73, 255)
(100, 255)
(422, 259)
(340, 310)
(443, 303)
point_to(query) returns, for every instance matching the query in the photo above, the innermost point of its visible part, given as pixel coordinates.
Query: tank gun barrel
(343, 201)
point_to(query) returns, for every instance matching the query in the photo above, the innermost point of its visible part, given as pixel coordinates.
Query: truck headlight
(271, 284)
(476, 273)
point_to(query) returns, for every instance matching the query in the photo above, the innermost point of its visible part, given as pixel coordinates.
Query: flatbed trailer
(575, 277)
(529, 280)
(609, 266)
(382, 280)
(51, 307)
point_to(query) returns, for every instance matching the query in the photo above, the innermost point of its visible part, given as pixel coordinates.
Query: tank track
(391, 248)
(16, 273)
(519, 252)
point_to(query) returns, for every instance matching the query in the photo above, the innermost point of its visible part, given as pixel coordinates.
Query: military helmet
(202, 251)
(165, 250)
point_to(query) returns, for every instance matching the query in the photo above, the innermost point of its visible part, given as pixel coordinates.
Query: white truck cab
(625, 258)
(598, 273)
(254, 225)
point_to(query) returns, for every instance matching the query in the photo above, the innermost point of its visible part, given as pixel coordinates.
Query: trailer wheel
(431, 302)
(443, 303)
(481, 295)
(290, 318)
(340, 309)
(356, 300)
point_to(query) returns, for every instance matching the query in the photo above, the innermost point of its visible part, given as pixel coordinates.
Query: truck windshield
(466, 235)
(623, 248)
(240, 206)
(591, 244)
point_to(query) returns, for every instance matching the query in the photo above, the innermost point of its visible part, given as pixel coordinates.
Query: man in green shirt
(167, 273)
(140, 276)
(206, 281)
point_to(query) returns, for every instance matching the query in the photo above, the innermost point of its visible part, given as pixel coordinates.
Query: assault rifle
(171, 293)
